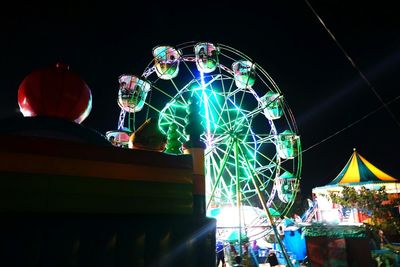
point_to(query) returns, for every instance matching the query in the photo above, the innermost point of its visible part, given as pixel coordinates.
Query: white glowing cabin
(287, 144)
(206, 57)
(271, 103)
(132, 93)
(286, 184)
(119, 138)
(244, 73)
(166, 62)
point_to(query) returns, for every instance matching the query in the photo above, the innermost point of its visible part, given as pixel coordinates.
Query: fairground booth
(357, 173)
(338, 236)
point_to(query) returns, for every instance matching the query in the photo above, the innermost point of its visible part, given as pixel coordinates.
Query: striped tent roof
(359, 171)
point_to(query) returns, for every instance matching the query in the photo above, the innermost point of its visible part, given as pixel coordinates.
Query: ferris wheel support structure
(253, 152)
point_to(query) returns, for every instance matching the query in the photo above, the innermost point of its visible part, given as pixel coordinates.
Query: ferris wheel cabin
(286, 184)
(166, 61)
(206, 57)
(132, 93)
(287, 144)
(271, 103)
(245, 74)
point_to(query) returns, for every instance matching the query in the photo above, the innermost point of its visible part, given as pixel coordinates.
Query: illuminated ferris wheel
(252, 144)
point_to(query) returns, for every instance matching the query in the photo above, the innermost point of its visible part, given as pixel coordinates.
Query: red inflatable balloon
(55, 92)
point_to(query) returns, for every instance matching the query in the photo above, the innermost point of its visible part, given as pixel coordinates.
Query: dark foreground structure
(69, 198)
(338, 245)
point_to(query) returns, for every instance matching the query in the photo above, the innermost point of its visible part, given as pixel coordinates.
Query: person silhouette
(272, 259)
(220, 254)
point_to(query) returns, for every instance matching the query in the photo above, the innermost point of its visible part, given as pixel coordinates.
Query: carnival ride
(252, 146)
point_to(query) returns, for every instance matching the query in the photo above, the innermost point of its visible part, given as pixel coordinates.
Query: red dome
(55, 92)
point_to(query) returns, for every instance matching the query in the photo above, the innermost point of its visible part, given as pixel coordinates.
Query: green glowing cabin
(245, 74)
(286, 184)
(271, 103)
(166, 61)
(132, 93)
(206, 57)
(287, 144)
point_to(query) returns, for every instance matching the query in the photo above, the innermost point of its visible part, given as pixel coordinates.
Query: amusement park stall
(339, 237)
(337, 245)
(357, 173)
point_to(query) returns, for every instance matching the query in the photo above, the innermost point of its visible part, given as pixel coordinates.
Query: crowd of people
(252, 255)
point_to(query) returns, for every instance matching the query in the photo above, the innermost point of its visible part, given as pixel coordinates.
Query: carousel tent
(360, 172)
(357, 172)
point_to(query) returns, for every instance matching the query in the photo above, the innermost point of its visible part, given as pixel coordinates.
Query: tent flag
(359, 170)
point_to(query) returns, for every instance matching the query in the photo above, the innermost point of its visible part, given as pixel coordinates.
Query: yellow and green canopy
(360, 171)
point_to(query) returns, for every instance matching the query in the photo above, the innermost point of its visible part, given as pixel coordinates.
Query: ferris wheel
(251, 138)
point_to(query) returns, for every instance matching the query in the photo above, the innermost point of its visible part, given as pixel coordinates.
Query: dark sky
(325, 93)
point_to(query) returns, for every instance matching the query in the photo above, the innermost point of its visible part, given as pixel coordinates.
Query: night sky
(325, 93)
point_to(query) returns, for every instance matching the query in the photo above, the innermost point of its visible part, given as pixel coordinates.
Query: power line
(353, 64)
(352, 124)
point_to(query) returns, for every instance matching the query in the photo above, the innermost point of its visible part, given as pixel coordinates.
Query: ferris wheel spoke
(228, 93)
(223, 109)
(225, 106)
(170, 118)
(178, 91)
(264, 161)
(234, 126)
(262, 168)
(252, 170)
(240, 105)
(209, 118)
(238, 122)
(235, 92)
(163, 92)
(265, 139)
(223, 152)
(222, 82)
(243, 93)
(259, 153)
(258, 186)
(219, 174)
(190, 71)
(222, 121)
(152, 107)
(225, 188)
(216, 108)
(217, 140)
